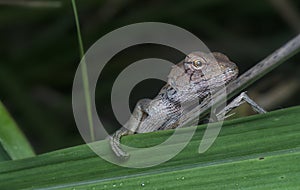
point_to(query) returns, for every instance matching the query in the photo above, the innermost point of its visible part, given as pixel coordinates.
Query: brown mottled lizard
(193, 79)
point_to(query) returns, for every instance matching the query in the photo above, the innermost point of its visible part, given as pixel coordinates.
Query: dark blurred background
(40, 54)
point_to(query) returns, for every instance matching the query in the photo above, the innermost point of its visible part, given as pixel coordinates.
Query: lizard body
(190, 80)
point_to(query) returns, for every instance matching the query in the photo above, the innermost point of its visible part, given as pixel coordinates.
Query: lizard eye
(197, 63)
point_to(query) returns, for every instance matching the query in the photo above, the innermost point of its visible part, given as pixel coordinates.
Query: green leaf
(14, 145)
(256, 152)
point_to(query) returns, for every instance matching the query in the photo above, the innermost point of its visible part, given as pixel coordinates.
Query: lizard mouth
(232, 73)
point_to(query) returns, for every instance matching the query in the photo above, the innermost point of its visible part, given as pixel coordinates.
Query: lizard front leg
(138, 115)
(115, 142)
(242, 98)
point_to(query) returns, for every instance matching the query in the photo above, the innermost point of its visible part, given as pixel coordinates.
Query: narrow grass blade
(14, 145)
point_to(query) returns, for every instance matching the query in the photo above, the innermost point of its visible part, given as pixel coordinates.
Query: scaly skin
(190, 80)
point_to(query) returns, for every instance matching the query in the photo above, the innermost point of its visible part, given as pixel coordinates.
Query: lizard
(193, 79)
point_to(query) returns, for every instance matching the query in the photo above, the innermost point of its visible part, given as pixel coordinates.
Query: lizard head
(210, 66)
(203, 70)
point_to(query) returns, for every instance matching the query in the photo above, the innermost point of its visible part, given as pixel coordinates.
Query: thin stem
(84, 75)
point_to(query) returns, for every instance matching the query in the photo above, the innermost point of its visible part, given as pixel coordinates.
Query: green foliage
(38, 62)
(13, 144)
(256, 152)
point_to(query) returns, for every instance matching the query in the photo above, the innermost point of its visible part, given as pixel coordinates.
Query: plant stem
(84, 75)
